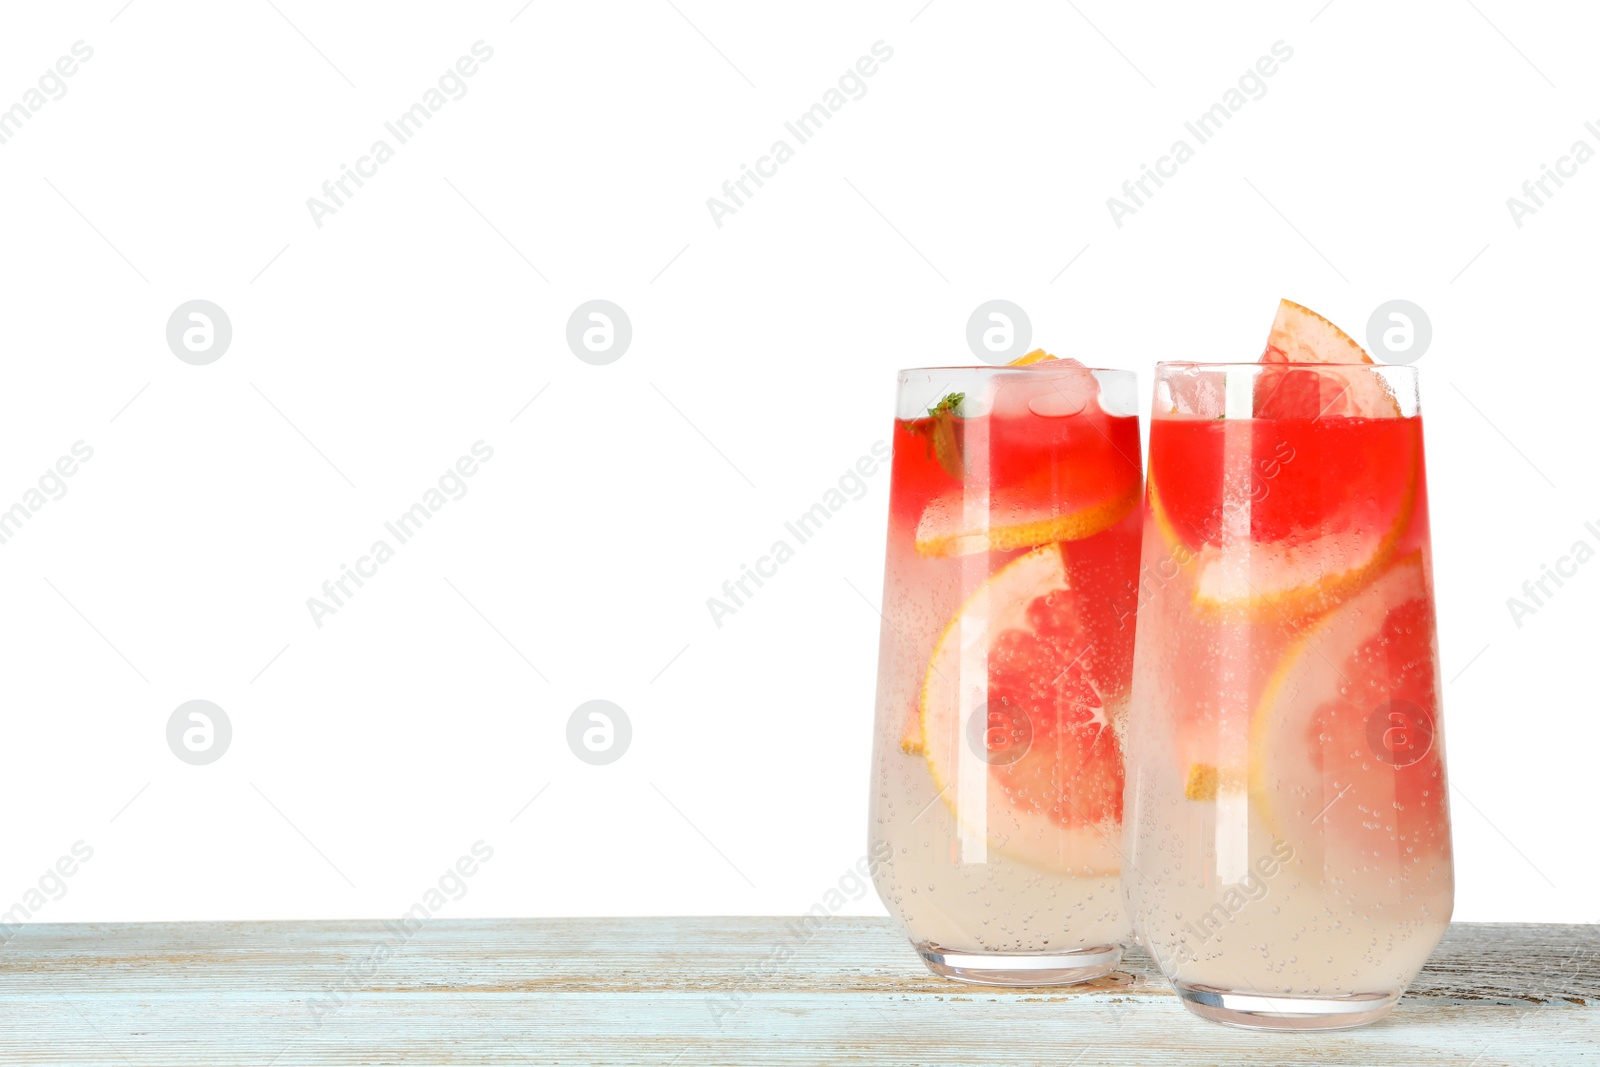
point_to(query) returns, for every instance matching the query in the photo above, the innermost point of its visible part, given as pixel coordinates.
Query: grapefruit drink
(1004, 667)
(1288, 833)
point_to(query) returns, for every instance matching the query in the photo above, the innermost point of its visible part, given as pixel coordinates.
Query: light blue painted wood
(706, 990)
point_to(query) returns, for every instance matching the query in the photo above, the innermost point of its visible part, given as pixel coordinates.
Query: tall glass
(1288, 834)
(1003, 669)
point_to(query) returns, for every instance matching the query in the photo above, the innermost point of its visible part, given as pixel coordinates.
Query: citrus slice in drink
(1015, 732)
(1299, 337)
(1299, 576)
(1283, 517)
(1345, 757)
(1075, 502)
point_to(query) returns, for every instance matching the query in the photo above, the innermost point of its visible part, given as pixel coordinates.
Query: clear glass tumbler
(1288, 831)
(1004, 666)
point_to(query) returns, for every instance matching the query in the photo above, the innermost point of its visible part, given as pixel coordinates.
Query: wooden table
(709, 991)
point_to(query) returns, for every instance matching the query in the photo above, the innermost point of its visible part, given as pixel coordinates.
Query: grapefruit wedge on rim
(1345, 757)
(1300, 336)
(1016, 736)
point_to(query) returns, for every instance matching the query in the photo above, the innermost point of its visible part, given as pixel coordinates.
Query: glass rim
(1225, 365)
(1030, 367)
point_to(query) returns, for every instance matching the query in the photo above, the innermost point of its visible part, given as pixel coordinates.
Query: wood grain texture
(709, 991)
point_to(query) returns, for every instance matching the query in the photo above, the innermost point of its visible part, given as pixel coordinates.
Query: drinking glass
(1288, 833)
(1003, 669)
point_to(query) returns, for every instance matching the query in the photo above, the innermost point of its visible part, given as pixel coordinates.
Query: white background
(369, 353)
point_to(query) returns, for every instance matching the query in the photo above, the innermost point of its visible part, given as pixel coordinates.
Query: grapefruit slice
(1345, 758)
(1300, 576)
(1300, 336)
(1326, 525)
(1017, 739)
(1077, 503)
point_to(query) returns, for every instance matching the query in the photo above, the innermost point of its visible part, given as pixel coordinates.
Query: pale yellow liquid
(1220, 901)
(950, 891)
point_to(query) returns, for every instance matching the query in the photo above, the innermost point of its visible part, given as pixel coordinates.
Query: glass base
(1022, 968)
(1259, 1011)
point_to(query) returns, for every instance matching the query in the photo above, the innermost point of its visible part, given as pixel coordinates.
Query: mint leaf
(940, 429)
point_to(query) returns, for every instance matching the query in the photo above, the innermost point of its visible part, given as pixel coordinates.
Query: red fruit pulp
(1041, 684)
(1395, 764)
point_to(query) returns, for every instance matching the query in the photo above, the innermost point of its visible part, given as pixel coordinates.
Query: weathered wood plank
(705, 990)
